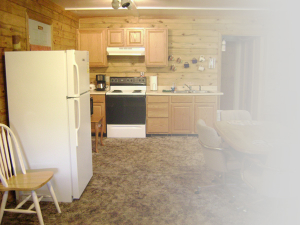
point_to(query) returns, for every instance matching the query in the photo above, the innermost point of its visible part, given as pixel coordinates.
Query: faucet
(189, 86)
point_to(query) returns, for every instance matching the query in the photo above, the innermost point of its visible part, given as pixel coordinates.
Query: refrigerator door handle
(73, 74)
(77, 118)
(76, 92)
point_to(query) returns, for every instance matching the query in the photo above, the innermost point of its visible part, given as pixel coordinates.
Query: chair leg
(3, 204)
(37, 207)
(53, 196)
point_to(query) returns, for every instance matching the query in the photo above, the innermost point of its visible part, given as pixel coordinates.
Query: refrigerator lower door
(80, 143)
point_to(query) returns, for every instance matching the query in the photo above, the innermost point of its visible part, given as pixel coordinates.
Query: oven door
(126, 109)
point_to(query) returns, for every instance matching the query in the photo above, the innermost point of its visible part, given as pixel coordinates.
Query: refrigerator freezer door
(81, 153)
(78, 72)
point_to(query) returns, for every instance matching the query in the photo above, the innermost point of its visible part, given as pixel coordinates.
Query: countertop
(171, 93)
(160, 92)
(94, 92)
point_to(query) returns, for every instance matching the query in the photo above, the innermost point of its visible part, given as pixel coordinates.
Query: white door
(81, 147)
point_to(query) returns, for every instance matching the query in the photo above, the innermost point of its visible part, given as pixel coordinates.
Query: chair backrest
(209, 139)
(235, 115)
(8, 147)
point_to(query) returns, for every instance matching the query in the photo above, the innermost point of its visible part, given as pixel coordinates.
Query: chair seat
(28, 181)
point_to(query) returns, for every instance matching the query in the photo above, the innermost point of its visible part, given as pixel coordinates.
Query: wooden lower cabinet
(206, 112)
(205, 109)
(179, 114)
(99, 109)
(182, 118)
(182, 114)
(157, 114)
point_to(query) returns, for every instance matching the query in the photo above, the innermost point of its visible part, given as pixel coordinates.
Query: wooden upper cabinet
(116, 38)
(156, 47)
(135, 37)
(129, 37)
(94, 41)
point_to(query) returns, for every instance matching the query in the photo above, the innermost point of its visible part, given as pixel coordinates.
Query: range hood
(125, 51)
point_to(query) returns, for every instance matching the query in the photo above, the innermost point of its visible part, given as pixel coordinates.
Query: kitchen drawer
(157, 125)
(157, 98)
(203, 99)
(98, 98)
(182, 98)
(157, 109)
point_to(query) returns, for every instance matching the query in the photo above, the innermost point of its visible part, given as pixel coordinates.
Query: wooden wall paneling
(115, 26)
(8, 29)
(188, 51)
(193, 39)
(27, 32)
(12, 8)
(108, 20)
(39, 17)
(189, 32)
(11, 19)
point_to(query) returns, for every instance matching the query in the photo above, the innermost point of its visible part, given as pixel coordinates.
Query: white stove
(126, 107)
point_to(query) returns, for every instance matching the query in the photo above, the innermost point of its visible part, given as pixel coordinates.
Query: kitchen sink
(185, 91)
(195, 91)
(190, 91)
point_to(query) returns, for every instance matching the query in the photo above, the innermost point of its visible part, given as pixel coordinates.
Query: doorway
(241, 74)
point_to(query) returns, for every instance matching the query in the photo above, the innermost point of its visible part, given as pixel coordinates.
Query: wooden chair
(13, 181)
(98, 121)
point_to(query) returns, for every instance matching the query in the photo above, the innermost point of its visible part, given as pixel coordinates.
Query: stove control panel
(128, 81)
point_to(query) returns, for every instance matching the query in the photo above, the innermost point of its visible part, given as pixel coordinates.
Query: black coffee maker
(101, 84)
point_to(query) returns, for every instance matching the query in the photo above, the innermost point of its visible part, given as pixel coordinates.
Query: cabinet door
(95, 42)
(182, 118)
(135, 37)
(156, 47)
(115, 38)
(99, 108)
(206, 112)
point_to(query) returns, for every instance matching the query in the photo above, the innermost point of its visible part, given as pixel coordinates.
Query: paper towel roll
(153, 83)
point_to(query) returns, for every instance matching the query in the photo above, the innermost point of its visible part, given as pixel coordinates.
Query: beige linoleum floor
(152, 181)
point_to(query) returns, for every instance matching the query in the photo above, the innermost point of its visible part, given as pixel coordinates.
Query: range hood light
(126, 51)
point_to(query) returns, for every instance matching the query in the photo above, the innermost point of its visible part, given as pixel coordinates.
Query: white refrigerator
(49, 111)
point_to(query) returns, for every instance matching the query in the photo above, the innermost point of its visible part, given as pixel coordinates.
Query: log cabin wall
(189, 37)
(13, 17)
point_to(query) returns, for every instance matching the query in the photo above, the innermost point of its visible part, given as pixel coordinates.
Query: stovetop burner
(127, 86)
